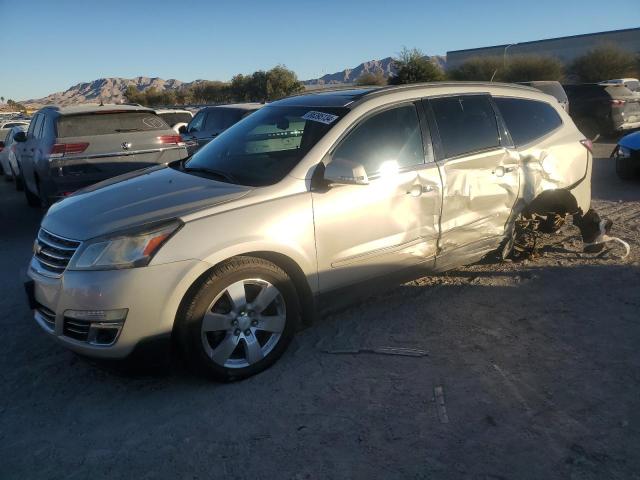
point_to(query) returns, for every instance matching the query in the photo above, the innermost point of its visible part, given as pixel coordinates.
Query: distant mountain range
(112, 90)
(107, 90)
(350, 75)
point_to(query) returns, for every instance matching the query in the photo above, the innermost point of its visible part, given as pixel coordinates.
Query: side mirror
(20, 137)
(182, 129)
(345, 172)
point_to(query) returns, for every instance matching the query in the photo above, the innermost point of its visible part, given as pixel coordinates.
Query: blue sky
(47, 46)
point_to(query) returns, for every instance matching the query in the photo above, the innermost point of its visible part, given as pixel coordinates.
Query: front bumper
(150, 294)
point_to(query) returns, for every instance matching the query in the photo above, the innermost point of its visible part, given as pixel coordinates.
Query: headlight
(623, 152)
(128, 249)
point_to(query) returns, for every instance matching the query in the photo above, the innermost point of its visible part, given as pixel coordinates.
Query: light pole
(504, 60)
(504, 56)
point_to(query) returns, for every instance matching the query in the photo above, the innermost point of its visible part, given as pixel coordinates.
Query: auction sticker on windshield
(321, 117)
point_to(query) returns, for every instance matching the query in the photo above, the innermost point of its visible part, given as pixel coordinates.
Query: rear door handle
(418, 190)
(500, 171)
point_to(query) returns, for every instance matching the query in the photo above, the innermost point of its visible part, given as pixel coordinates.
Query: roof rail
(333, 89)
(414, 86)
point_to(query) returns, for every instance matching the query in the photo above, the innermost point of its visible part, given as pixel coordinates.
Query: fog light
(96, 327)
(118, 315)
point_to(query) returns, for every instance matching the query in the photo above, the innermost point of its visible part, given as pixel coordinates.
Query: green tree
(16, 106)
(526, 68)
(281, 82)
(2, 99)
(370, 78)
(412, 67)
(517, 68)
(479, 69)
(604, 63)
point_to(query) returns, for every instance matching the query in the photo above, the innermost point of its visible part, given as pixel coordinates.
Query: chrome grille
(52, 252)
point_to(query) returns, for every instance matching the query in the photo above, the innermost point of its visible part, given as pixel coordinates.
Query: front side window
(390, 139)
(265, 146)
(196, 123)
(527, 120)
(467, 124)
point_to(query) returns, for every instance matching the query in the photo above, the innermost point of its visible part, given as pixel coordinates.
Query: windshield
(262, 148)
(633, 85)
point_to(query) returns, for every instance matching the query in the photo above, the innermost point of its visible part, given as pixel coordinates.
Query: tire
(18, 179)
(238, 339)
(625, 169)
(32, 199)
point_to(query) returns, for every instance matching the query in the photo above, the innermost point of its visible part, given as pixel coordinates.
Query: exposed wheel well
(558, 201)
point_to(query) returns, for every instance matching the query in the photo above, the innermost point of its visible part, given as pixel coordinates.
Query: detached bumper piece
(95, 327)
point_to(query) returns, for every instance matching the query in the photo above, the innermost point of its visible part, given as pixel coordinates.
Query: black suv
(210, 122)
(603, 109)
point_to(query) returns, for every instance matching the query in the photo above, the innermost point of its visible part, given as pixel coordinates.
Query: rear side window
(527, 120)
(108, 123)
(37, 126)
(466, 124)
(390, 139)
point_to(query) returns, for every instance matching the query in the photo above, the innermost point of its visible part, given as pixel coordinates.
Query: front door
(480, 174)
(363, 231)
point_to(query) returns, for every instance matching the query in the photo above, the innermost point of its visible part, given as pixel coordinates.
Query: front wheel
(239, 320)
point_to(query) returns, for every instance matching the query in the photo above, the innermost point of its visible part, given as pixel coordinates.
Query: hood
(631, 141)
(155, 194)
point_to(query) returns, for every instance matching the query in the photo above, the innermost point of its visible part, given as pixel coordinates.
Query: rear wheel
(625, 169)
(239, 320)
(18, 179)
(32, 199)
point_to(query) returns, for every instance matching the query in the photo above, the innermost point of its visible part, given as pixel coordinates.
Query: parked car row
(227, 253)
(64, 149)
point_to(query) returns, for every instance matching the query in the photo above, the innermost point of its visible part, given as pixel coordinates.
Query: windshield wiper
(122, 130)
(227, 177)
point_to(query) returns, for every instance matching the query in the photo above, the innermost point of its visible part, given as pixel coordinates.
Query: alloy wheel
(244, 323)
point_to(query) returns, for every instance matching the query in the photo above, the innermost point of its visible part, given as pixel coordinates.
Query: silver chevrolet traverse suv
(227, 253)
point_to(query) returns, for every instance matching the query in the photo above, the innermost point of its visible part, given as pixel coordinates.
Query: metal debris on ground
(401, 351)
(441, 408)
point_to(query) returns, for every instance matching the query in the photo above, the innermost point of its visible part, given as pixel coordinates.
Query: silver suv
(229, 252)
(67, 148)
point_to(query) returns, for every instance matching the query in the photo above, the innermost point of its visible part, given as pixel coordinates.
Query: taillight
(588, 144)
(617, 103)
(62, 149)
(170, 139)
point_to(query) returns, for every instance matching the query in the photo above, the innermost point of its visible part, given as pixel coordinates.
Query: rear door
(480, 173)
(106, 144)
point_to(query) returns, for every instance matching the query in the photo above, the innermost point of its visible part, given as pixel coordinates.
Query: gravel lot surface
(532, 372)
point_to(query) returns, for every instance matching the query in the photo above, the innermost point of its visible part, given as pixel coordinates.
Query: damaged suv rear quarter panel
(555, 163)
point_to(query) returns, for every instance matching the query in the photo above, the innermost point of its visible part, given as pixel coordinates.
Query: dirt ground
(532, 371)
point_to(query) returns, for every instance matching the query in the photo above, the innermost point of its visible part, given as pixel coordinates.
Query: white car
(8, 161)
(632, 84)
(175, 118)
